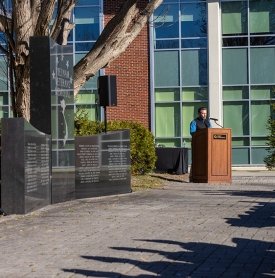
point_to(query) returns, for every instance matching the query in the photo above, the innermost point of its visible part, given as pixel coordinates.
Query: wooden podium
(211, 155)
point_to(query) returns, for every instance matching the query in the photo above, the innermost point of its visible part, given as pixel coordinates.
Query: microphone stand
(215, 121)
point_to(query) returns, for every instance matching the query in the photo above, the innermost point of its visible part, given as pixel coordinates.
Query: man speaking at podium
(200, 122)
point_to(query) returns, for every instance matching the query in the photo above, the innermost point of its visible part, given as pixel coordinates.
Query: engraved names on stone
(103, 164)
(26, 173)
(117, 160)
(37, 169)
(89, 169)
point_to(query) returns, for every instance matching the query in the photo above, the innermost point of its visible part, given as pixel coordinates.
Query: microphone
(215, 120)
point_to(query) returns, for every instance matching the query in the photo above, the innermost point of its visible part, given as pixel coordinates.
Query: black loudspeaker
(107, 90)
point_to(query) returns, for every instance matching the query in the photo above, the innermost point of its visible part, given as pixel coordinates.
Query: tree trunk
(23, 24)
(22, 87)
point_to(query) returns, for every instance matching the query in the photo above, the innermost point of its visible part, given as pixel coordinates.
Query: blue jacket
(198, 124)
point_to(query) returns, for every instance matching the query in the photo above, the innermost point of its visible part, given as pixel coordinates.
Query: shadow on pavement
(246, 258)
(258, 216)
(244, 193)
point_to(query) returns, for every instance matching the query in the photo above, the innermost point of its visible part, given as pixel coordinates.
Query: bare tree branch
(117, 35)
(6, 25)
(46, 10)
(62, 25)
(4, 22)
(35, 8)
(33, 17)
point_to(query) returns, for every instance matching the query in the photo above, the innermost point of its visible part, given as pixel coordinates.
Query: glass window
(186, 143)
(236, 116)
(240, 141)
(238, 41)
(258, 155)
(262, 66)
(166, 21)
(167, 95)
(167, 68)
(4, 98)
(86, 32)
(234, 66)
(234, 18)
(4, 112)
(92, 111)
(3, 73)
(191, 94)
(172, 142)
(262, 40)
(193, 20)
(190, 112)
(258, 141)
(167, 120)
(194, 43)
(86, 97)
(262, 16)
(86, 46)
(166, 44)
(235, 93)
(260, 113)
(240, 156)
(87, 23)
(194, 67)
(262, 92)
(87, 2)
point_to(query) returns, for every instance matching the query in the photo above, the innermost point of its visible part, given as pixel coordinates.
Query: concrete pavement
(182, 230)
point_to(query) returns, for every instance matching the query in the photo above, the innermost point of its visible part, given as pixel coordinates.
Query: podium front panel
(219, 147)
(211, 155)
(199, 156)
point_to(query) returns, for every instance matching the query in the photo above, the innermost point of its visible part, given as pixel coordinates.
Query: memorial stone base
(103, 164)
(25, 167)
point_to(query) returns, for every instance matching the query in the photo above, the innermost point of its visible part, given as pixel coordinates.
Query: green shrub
(83, 126)
(270, 158)
(142, 147)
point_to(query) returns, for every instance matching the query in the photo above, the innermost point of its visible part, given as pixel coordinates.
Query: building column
(215, 60)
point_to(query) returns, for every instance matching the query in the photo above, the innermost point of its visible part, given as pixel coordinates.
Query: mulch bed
(172, 177)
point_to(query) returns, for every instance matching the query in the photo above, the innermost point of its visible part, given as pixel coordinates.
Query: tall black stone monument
(52, 109)
(25, 167)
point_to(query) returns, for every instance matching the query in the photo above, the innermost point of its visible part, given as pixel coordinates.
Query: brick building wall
(132, 71)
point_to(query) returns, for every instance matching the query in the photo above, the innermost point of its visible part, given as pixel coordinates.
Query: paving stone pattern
(182, 230)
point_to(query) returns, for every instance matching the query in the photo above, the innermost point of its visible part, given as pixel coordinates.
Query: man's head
(202, 112)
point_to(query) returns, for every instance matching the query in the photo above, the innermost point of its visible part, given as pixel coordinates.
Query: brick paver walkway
(183, 230)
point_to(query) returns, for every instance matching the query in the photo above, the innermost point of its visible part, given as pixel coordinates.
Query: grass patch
(143, 182)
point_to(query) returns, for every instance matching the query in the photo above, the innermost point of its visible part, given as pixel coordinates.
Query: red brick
(132, 71)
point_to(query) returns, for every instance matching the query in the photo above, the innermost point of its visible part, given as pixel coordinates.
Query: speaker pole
(105, 119)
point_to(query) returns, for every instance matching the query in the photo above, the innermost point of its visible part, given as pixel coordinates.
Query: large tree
(32, 18)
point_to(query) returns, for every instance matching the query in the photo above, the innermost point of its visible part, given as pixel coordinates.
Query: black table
(172, 160)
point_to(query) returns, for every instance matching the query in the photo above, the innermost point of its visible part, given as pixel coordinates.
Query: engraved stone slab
(25, 167)
(52, 108)
(103, 164)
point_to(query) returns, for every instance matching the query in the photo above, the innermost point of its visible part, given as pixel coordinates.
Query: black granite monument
(52, 109)
(25, 167)
(103, 164)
